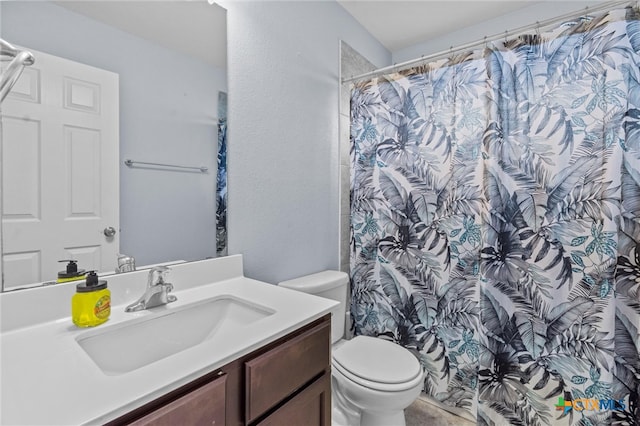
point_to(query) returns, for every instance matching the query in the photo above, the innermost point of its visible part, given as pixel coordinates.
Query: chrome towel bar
(132, 163)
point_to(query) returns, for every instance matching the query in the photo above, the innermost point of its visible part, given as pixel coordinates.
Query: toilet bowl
(373, 380)
(378, 377)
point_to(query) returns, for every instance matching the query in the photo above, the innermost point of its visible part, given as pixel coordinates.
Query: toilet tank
(328, 284)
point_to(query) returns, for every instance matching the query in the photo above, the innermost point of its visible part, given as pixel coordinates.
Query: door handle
(109, 232)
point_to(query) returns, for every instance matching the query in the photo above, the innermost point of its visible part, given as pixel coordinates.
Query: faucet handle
(125, 263)
(160, 271)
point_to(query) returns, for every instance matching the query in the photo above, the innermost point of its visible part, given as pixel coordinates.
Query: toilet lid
(377, 360)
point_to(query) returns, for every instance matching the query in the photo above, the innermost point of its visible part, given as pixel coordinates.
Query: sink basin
(128, 346)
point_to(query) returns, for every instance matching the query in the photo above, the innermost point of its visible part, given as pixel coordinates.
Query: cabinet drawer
(203, 406)
(310, 407)
(277, 373)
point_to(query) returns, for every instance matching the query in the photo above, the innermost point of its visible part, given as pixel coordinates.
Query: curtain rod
(484, 40)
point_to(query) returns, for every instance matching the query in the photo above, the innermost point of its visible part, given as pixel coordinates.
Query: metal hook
(506, 35)
(538, 30)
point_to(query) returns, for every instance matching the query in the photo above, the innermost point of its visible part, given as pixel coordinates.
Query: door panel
(88, 255)
(60, 172)
(25, 265)
(83, 164)
(22, 164)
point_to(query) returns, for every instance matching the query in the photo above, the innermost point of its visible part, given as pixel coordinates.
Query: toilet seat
(377, 364)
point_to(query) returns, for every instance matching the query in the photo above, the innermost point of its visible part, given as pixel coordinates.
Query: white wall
(284, 66)
(167, 114)
(538, 12)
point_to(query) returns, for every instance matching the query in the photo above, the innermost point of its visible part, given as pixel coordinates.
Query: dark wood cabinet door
(311, 407)
(271, 377)
(203, 406)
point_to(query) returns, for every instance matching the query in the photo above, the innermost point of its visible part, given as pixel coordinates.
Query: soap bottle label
(102, 308)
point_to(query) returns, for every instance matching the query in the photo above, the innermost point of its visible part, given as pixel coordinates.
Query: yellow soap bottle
(91, 305)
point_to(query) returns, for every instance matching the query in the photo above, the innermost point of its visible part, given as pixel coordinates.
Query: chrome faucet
(157, 292)
(125, 264)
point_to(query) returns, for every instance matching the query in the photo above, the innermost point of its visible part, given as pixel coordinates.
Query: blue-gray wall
(284, 65)
(168, 107)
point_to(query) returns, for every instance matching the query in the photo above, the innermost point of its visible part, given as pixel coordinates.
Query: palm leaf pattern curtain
(495, 205)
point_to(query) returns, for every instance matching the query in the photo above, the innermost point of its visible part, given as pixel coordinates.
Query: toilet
(372, 380)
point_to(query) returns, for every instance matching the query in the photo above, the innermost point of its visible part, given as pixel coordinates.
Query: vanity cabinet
(277, 373)
(203, 406)
(285, 382)
(310, 407)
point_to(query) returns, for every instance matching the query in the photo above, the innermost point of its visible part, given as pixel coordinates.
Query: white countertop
(48, 379)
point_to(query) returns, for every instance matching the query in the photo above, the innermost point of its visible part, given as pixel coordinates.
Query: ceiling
(187, 25)
(195, 28)
(398, 24)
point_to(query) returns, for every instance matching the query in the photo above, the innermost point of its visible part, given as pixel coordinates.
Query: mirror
(168, 60)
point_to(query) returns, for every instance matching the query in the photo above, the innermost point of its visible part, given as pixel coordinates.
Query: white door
(60, 180)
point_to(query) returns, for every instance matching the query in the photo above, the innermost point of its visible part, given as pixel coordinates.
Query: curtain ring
(506, 34)
(486, 44)
(538, 30)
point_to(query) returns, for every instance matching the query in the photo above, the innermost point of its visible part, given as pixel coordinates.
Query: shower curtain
(221, 178)
(495, 209)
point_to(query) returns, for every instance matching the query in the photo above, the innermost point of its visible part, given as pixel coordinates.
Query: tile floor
(423, 413)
